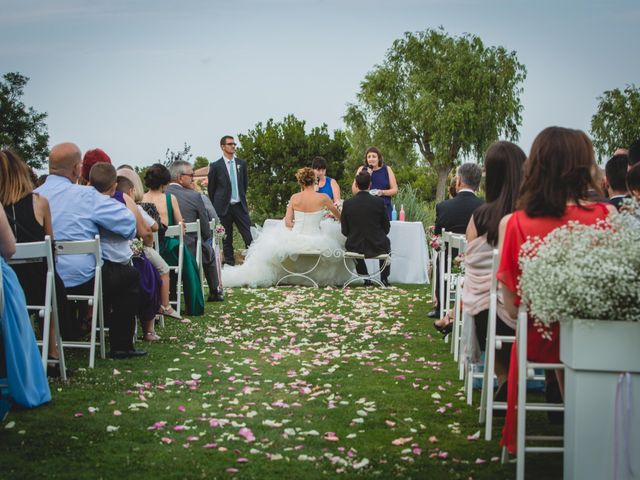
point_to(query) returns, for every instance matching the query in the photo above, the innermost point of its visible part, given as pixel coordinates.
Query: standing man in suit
(453, 215)
(365, 223)
(192, 208)
(227, 190)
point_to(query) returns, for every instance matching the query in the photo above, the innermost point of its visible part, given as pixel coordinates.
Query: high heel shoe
(444, 330)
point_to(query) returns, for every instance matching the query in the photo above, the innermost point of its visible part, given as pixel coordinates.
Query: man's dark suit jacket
(618, 201)
(454, 214)
(192, 208)
(219, 187)
(365, 223)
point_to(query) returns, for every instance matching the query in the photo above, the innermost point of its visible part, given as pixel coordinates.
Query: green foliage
(171, 156)
(21, 127)
(449, 96)
(275, 151)
(415, 208)
(200, 162)
(616, 123)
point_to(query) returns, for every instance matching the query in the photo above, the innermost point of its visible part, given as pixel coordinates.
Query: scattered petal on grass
(112, 428)
(10, 425)
(480, 460)
(401, 440)
(166, 440)
(433, 439)
(117, 413)
(473, 437)
(362, 463)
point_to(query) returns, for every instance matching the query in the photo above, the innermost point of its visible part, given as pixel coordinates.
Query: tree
(200, 162)
(275, 150)
(21, 128)
(449, 96)
(616, 123)
(171, 156)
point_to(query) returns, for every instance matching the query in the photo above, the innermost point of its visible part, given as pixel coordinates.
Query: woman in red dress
(558, 176)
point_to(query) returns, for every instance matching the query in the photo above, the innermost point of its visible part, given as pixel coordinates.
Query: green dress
(191, 284)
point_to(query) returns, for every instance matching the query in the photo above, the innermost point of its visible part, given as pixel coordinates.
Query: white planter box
(594, 354)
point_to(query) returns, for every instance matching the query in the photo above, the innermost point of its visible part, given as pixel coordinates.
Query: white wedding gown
(311, 232)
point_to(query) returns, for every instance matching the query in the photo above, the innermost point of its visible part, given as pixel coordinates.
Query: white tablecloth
(410, 260)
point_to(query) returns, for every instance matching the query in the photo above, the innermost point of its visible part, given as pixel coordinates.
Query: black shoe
(385, 282)
(53, 371)
(120, 354)
(435, 313)
(368, 283)
(230, 264)
(215, 298)
(446, 330)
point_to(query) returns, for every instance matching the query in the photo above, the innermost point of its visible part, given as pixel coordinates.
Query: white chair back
(33, 252)
(175, 231)
(88, 247)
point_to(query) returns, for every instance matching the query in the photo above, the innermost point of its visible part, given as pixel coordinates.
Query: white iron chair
(156, 246)
(33, 252)
(351, 257)
(175, 231)
(458, 242)
(494, 342)
(88, 247)
(526, 371)
(434, 270)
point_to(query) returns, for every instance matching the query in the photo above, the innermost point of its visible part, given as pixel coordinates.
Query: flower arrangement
(219, 232)
(137, 247)
(338, 205)
(584, 272)
(434, 241)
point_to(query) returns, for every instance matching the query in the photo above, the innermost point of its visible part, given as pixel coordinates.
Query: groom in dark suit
(365, 223)
(227, 190)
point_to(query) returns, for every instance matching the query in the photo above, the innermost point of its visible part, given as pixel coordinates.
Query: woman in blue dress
(383, 181)
(20, 362)
(325, 184)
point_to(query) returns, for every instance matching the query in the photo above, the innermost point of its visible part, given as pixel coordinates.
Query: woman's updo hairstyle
(306, 176)
(156, 176)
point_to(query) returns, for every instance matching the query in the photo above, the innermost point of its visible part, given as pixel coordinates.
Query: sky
(135, 77)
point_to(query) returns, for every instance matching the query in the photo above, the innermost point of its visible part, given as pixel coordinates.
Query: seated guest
(503, 174)
(117, 250)
(91, 157)
(156, 178)
(126, 186)
(365, 223)
(30, 220)
(616, 179)
(26, 383)
(326, 185)
(557, 178)
(633, 181)
(453, 215)
(80, 213)
(192, 208)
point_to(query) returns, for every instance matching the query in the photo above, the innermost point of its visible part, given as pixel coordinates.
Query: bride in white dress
(306, 230)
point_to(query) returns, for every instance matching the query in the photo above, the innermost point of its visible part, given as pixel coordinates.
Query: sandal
(169, 312)
(150, 337)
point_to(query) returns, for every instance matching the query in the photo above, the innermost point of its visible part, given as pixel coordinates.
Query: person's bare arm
(336, 190)
(393, 185)
(330, 206)
(508, 296)
(177, 214)
(7, 240)
(288, 218)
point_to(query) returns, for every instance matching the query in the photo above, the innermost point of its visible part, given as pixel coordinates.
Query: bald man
(81, 213)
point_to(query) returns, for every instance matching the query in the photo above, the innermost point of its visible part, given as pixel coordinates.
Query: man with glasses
(227, 190)
(192, 208)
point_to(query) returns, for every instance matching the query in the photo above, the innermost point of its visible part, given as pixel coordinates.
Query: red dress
(539, 349)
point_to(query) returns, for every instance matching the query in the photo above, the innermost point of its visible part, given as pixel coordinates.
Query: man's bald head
(65, 160)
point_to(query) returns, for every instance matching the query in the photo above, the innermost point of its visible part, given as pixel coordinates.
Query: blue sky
(138, 77)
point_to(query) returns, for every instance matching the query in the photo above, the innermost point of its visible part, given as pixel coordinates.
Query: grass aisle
(274, 383)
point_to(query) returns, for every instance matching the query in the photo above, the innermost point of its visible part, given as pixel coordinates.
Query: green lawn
(272, 383)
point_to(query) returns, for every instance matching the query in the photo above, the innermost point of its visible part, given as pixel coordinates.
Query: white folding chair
(88, 247)
(526, 371)
(156, 246)
(493, 342)
(458, 242)
(442, 271)
(36, 252)
(175, 231)
(194, 227)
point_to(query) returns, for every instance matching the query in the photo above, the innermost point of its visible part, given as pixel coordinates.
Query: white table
(409, 256)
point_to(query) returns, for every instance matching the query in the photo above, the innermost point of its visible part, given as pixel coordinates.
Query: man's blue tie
(234, 180)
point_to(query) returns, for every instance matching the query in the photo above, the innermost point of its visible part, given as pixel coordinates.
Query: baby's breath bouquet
(584, 272)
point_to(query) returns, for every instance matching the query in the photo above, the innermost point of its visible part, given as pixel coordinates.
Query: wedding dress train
(310, 233)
